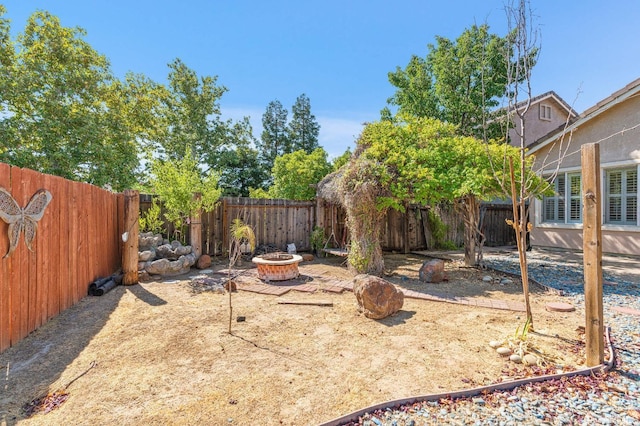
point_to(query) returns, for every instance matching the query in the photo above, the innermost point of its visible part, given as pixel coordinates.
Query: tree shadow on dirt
(34, 366)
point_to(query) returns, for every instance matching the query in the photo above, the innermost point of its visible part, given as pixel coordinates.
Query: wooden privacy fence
(77, 241)
(275, 222)
(280, 222)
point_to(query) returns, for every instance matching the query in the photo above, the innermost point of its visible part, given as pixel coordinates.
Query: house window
(554, 207)
(575, 200)
(566, 205)
(621, 203)
(545, 112)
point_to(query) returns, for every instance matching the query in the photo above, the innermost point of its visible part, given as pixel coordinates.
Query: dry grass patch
(163, 354)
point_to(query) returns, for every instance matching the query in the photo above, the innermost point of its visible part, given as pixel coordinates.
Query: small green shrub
(317, 239)
(439, 232)
(150, 221)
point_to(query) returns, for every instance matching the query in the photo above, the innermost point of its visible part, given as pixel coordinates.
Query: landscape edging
(354, 416)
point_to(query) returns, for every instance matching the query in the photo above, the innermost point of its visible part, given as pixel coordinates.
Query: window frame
(624, 196)
(545, 112)
(565, 198)
(556, 199)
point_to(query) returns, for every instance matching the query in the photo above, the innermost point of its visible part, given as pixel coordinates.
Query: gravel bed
(611, 398)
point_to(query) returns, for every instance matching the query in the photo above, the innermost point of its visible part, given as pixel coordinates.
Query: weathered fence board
(76, 242)
(281, 222)
(494, 225)
(5, 288)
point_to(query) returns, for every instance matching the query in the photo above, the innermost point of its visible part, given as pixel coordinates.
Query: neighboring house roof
(548, 95)
(630, 90)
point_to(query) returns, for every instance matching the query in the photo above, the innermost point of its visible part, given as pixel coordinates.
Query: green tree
(192, 116)
(296, 174)
(240, 170)
(176, 181)
(59, 113)
(459, 82)
(420, 161)
(303, 128)
(414, 94)
(274, 140)
(340, 161)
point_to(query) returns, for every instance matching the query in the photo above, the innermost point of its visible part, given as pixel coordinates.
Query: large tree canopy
(416, 160)
(460, 81)
(61, 109)
(191, 117)
(303, 128)
(274, 140)
(296, 174)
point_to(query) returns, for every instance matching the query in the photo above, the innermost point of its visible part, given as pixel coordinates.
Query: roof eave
(604, 105)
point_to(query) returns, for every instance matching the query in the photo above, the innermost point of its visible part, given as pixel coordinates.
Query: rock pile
(157, 256)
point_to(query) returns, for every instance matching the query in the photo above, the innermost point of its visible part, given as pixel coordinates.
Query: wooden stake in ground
(592, 249)
(195, 230)
(130, 237)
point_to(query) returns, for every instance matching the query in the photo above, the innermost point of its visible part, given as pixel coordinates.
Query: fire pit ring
(277, 266)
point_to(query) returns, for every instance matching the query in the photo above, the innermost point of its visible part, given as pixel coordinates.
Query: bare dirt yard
(160, 353)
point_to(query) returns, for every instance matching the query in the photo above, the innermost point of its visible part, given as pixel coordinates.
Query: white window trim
(544, 112)
(605, 195)
(538, 216)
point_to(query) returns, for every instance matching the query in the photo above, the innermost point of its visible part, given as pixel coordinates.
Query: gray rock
(530, 359)
(147, 255)
(182, 250)
(487, 278)
(504, 351)
(148, 240)
(166, 267)
(478, 401)
(165, 251)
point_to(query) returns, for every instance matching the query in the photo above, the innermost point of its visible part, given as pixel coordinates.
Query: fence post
(592, 249)
(195, 230)
(130, 237)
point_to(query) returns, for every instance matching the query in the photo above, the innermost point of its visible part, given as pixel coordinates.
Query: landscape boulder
(166, 267)
(172, 251)
(203, 262)
(148, 240)
(377, 298)
(432, 271)
(147, 255)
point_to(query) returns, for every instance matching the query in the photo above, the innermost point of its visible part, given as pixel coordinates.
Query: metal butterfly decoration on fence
(20, 219)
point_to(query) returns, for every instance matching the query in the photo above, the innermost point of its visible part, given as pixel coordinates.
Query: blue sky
(339, 52)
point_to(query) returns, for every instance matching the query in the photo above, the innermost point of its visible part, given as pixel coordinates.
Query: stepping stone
(560, 307)
(626, 310)
(332, 288)
(308, 288)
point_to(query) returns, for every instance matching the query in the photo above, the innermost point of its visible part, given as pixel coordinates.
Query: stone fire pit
(277, 266)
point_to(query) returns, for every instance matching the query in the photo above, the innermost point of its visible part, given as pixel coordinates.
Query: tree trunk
(365, 253)
(519, 216)
(471, 216)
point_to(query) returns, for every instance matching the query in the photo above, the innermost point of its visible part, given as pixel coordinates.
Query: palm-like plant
(239, 233)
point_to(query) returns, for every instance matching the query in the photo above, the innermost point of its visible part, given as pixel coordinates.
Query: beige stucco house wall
(543, 114)
(613, 123)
